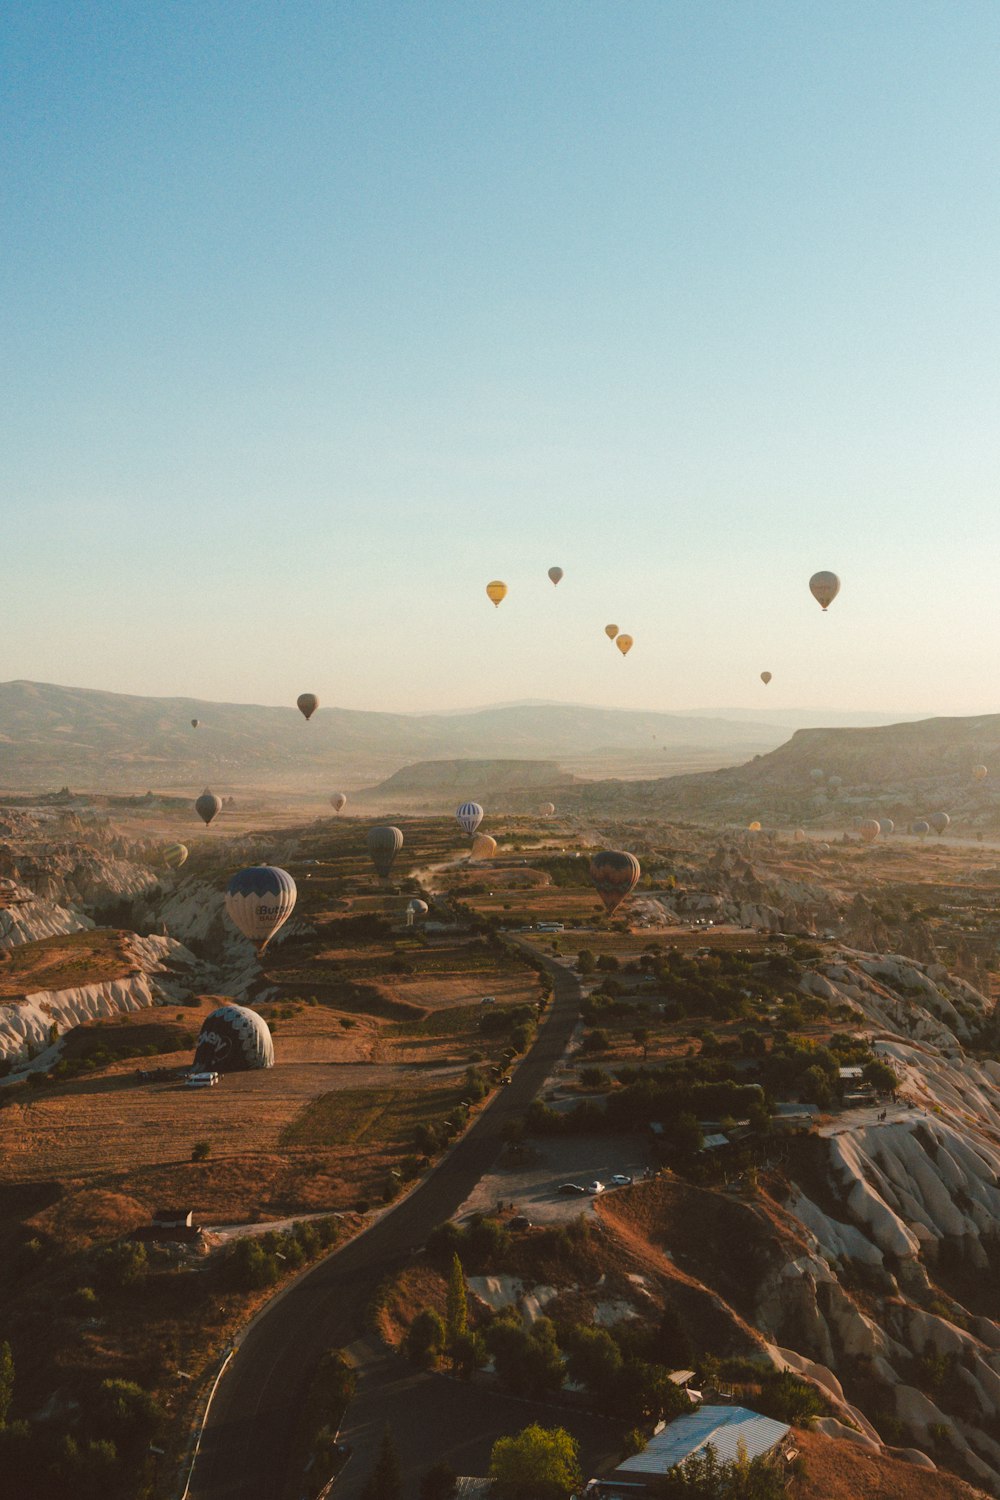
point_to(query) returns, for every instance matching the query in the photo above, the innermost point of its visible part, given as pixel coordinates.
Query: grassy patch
(65, 962)
(354, 1117)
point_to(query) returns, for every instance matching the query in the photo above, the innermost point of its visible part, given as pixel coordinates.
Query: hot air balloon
(195, 723)
(307, 704)
(939, 821)
(920, 828)
(233, 1039)
(497, 592)
(384, 843)
(799, 835)
(869, 830)
(754, 827)
(414, 909)
(259, 901)
(484, 846)
(611, 631)
(816, 775)
(208, 806)
(980, 773)
(174, 855)
(338, 802)
(824, 588)
(469, 816)
(624, 644)
(555, 574)
(886, 826)
(765, 678)
(547, 809)
(615, 875)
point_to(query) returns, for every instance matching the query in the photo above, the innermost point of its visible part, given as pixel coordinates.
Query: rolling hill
(52, 736)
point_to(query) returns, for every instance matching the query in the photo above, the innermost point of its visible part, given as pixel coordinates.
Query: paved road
(245, 1444)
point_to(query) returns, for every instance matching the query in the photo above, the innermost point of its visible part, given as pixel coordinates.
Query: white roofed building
(730, 1430)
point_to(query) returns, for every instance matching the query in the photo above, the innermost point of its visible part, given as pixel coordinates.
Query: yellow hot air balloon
(497, 592)
(484, 846)
(611, 631)
(754, 828)
(624, 644)
(980, 773)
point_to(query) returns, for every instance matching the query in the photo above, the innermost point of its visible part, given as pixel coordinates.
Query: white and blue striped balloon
(469, 816)
(259, 901)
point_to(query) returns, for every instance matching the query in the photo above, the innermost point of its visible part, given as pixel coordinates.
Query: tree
(201, 1151)
(438, 1482)
(816, 1086)
(684, 1134)
(457, 1311)
(128, 1416)
(585, 961)
(641, 1036)
(425, 1338)
(6, 1381)
(538, 1464)
(385, 1482)
(527, 1363)
(880, 1076)
(594, 1360)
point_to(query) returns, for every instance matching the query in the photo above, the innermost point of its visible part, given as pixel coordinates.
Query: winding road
(245, 1444)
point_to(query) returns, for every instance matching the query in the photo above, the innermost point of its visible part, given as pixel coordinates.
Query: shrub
(425, 1338)
(120, 1265)
(201, 1151)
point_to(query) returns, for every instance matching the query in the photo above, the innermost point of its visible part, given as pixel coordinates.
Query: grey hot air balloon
(338, 802)
(195, 723)
(384, 843)
(921, 828)
(208, 806)
(765, 678)
(233, 1039)
(307, 704)
(939, 821)
(555, 574)
(824, 587)
(886, 826)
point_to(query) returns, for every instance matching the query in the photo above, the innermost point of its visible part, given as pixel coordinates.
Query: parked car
(621, 1180)
(506, 1078)
(572, 1190)
(519, 1222)
(488, 1000)
(201, 1080)
(595, 1187)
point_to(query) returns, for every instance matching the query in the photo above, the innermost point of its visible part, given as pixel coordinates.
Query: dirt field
(534, 1184)
(65, 962)
(838, 1470)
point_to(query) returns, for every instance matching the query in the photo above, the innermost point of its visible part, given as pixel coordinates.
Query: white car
(621, 1180)
(595, 1188)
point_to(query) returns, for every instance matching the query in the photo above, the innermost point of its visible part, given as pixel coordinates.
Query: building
(730, 1430)
(170, 1224)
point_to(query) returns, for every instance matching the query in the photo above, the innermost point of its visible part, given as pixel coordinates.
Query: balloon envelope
(799, 835)
(384, 843)
(547, 809)
(611, 631)
(624, 644)
(555, 574)
(469, 816)
(614, 874)
(259, 900)
(920, 827)
(765, 678)
(208, 806)
(754, 827)
(980, 773)
(497, 592)
(869, 830)
(939, 821)
(417, 908)
(233, 1039)
(484, 846)
(338, 802)
(174, 855)
(307, 704)
(195, 723)
(824, 588)
(886, 825)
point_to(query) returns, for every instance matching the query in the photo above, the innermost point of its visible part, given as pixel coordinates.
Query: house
(851, 1075)
(730, 1430)
(794, 1116)
(169, 1224)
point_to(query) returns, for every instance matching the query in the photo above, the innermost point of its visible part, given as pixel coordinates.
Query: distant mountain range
(85, 738)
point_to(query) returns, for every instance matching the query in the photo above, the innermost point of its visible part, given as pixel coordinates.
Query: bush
(201, 1151)
(424, 1338)
(120, 1265)
(788, 1399)
(249, 1266)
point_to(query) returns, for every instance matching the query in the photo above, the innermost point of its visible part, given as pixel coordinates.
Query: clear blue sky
(316, 317)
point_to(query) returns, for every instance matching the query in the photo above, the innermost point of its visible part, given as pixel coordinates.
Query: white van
(201, 1080)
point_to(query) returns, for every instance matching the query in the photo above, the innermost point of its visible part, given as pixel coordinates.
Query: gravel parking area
(533, 1185)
